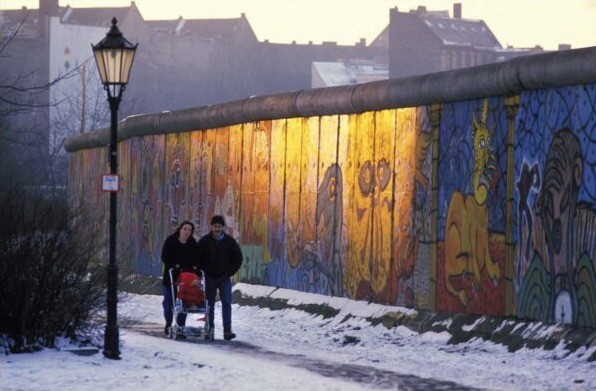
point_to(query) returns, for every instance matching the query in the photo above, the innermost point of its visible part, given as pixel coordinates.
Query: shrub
(51, 282)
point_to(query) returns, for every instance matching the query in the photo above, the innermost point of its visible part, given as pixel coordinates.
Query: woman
(179, 252)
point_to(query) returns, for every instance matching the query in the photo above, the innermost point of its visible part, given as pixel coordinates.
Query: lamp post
(114, 55)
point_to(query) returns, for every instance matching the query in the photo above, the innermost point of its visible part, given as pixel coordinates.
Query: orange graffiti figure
(466, 227)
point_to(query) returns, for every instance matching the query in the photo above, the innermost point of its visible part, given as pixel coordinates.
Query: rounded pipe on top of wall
(555, 69)
(275, 106)
(325, 101)
(443, 87)
(567, 67)
(97, 138)
(386, 94)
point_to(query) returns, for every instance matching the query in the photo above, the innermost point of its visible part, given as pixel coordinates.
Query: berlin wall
(467, 191)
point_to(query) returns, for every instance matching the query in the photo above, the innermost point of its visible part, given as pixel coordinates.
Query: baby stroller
(188, 296)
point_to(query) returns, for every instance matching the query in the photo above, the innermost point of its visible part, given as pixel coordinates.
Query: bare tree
(36, 115)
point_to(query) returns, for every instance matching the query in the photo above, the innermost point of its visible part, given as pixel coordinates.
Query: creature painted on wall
(528, 183)
(320, 267)
(470, 270)
(382, 244)
(322, 260)
(328, 218)
(382, 194)
(555, 272)
(360, 178)
(558, 277)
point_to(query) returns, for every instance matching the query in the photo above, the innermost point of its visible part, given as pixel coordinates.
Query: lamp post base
(111, 348)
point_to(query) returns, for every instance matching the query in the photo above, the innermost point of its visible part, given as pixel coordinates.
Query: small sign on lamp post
(110, 182)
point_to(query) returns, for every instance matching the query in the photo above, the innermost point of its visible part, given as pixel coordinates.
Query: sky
(293, 350)
(519, 23)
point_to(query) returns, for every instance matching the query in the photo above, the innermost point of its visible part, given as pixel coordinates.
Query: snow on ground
(291, 350)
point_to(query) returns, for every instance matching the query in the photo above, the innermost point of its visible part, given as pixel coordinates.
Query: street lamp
(114, 56)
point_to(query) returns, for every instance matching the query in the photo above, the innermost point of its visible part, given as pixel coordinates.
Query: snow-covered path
(293, 350)
(358, 374)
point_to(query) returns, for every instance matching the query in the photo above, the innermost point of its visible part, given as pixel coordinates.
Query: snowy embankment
(292, 348)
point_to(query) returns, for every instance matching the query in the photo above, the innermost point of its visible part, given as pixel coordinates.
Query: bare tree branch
(8, 39)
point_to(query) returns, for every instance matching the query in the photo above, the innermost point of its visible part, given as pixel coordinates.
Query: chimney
(49, 7)
(564, 46)
(456, 10)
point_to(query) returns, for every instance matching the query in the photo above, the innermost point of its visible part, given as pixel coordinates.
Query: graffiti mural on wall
(230, 204)
(326, 250)
(254, 200)
(411, 227)
(194, 192)
(125, 202)
(383, 240)
(201, 199)
(302, 263)
(177, 179)
(99, 200)
(223, 188)
(556, 201)
(295, 175)
(321, 263)
(360, 178)
(471, 260)
(147, 177)
(347, 205)
(377, 180)
(276, 199)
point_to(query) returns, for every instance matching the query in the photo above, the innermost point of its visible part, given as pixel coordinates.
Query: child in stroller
(188, 295)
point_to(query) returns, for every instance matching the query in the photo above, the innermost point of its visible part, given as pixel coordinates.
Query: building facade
(188, 63)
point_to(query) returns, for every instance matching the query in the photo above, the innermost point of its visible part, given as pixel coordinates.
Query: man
(220, 258)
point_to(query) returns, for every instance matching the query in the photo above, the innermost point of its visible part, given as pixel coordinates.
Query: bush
(51, 282)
